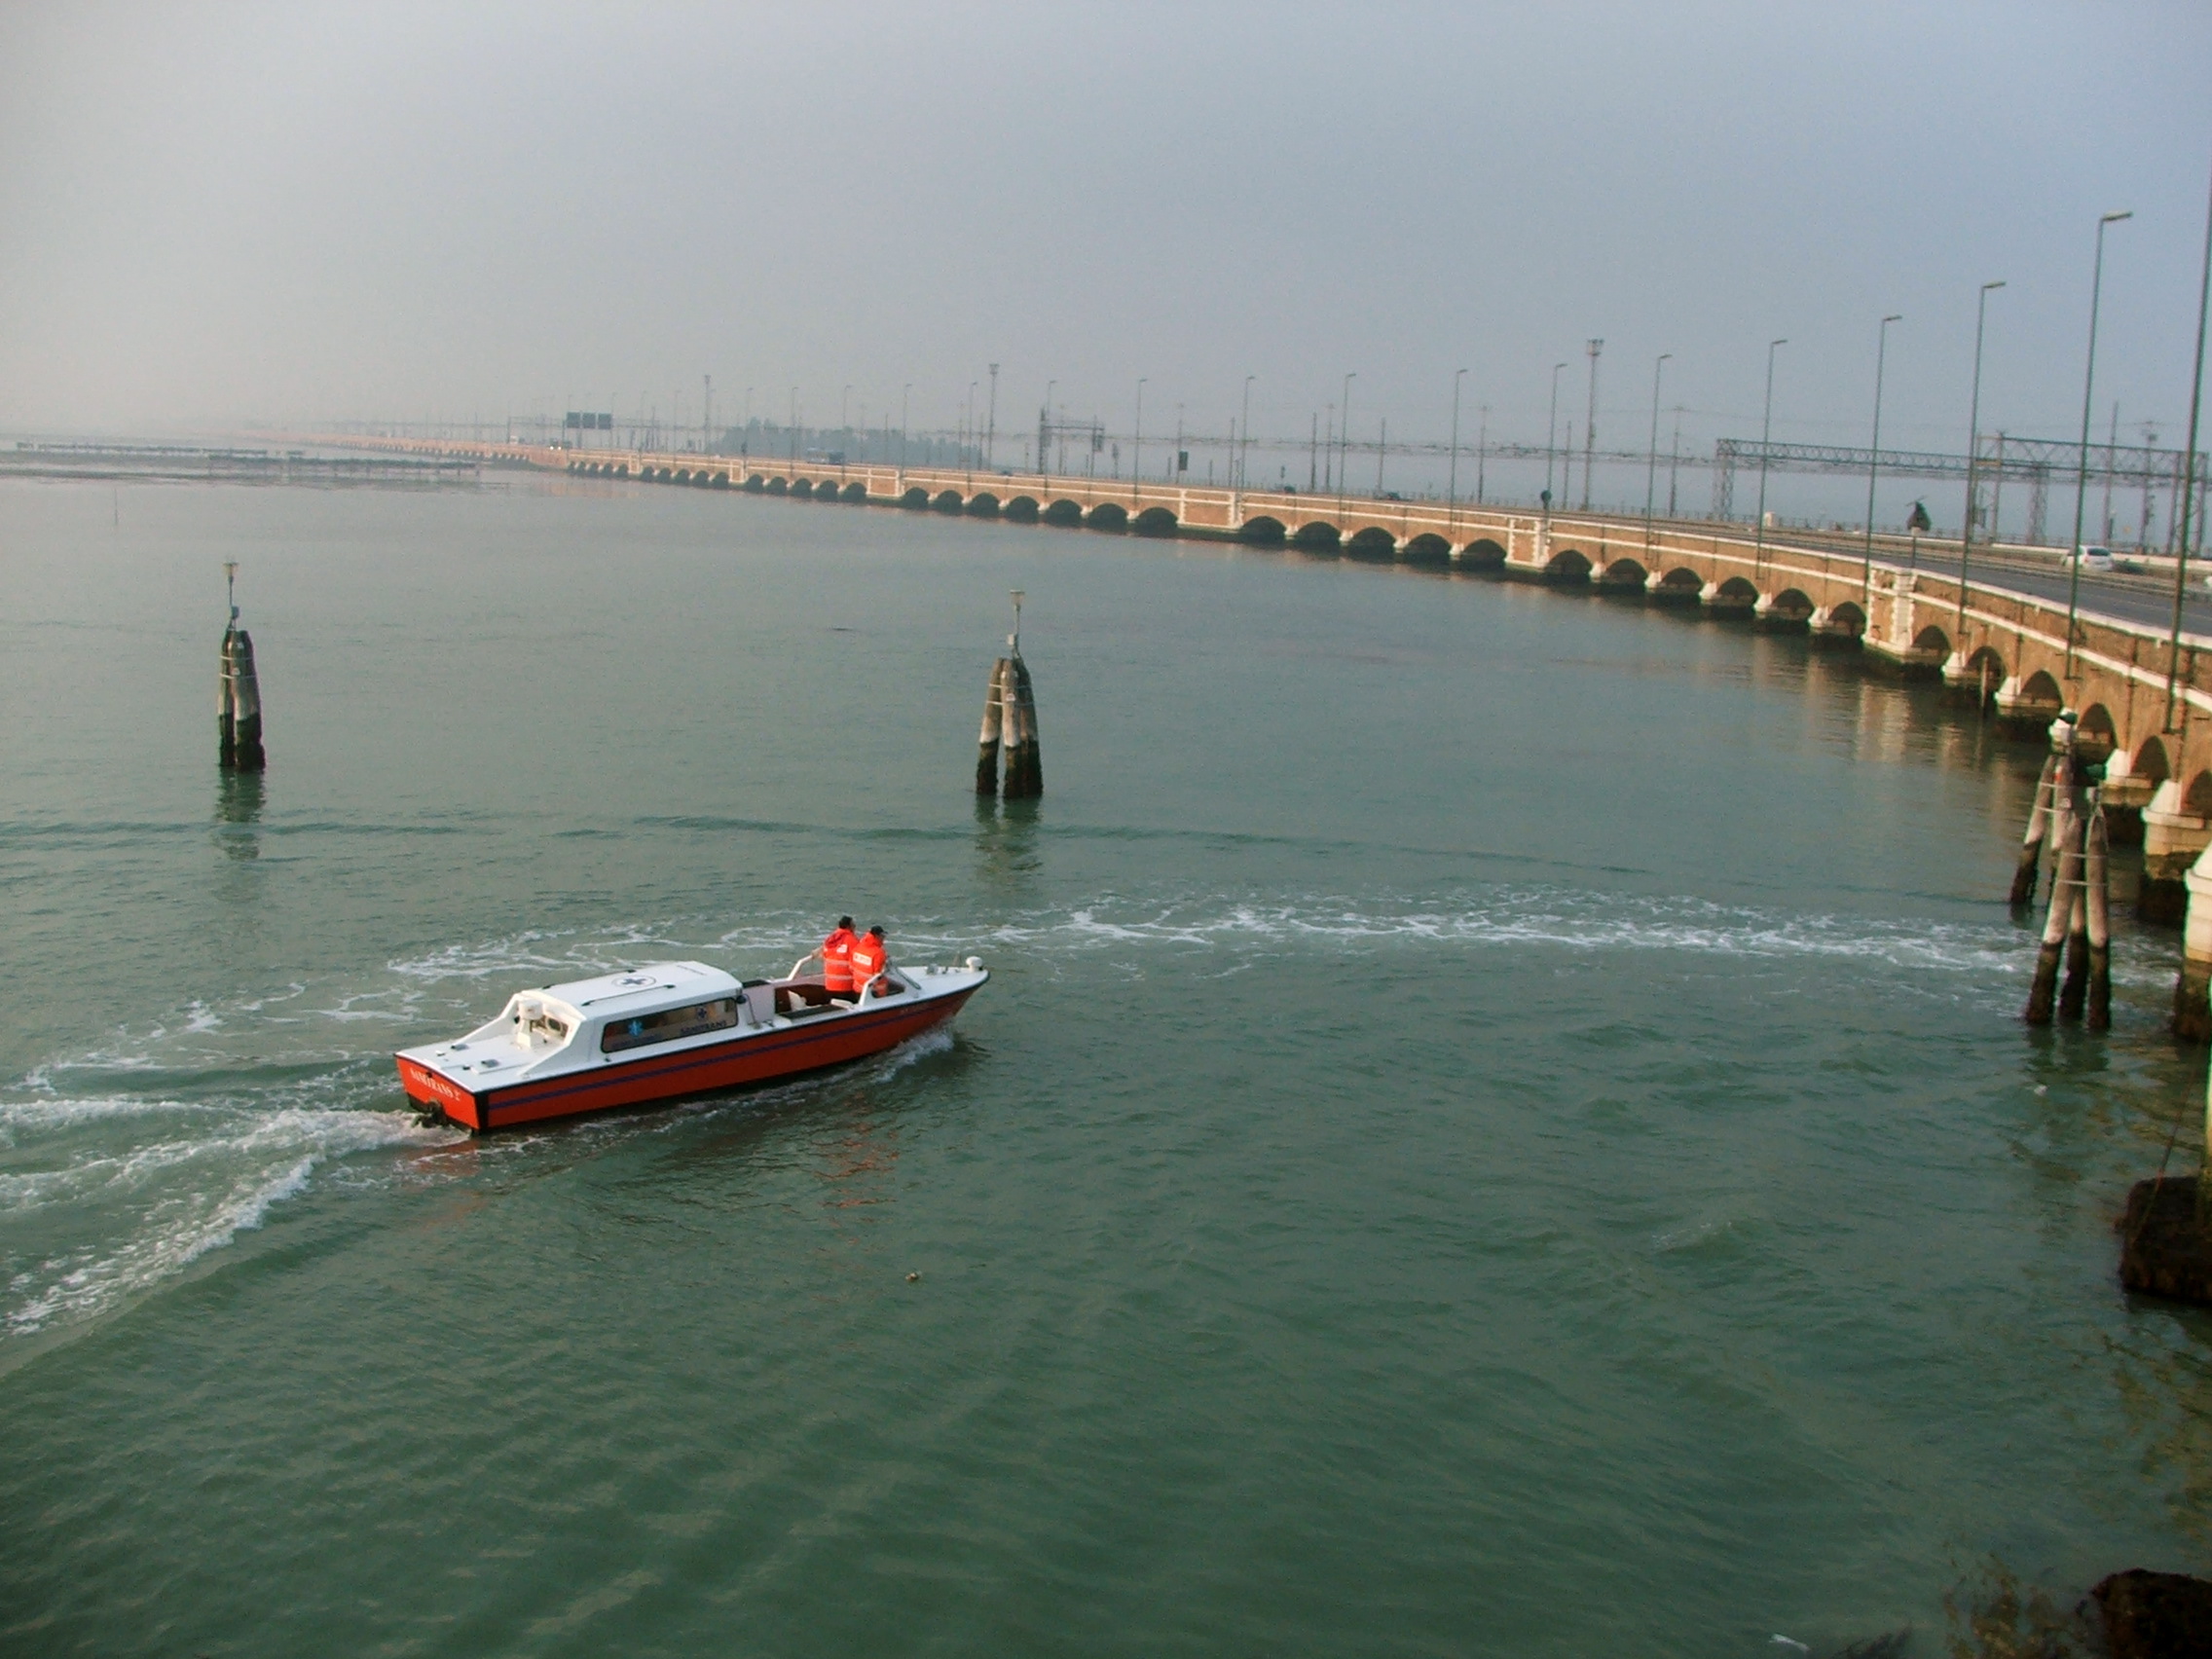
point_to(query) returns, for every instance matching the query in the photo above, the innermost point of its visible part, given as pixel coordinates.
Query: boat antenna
(231, 585)
(1014, 640)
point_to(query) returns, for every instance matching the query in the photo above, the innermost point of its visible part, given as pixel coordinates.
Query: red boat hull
(742, 1060)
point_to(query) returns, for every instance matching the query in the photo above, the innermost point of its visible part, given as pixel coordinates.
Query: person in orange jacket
(870, 957)
(837, 959)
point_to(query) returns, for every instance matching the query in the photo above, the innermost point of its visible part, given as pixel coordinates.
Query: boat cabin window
(669, 1025)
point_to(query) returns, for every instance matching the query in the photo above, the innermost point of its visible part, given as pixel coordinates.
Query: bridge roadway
(2002, 640)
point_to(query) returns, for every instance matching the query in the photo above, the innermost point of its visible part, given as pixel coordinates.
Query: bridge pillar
(2173, 840)
(2125, 794)
(2193, 1011)
(1890, 637)
(1826, 625)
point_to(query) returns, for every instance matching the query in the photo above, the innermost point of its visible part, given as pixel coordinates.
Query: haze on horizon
(221, 215)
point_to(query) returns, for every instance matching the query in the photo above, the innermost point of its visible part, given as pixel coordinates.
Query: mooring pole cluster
(238, 693)
(1010, 722)
(2077, 931)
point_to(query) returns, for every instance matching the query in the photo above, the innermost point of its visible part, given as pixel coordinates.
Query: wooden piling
(2193, 1006)
(2097, 894)
(994, 726)
(2065, 889)
(1024, 760)
(238, 696)
(2032, 842)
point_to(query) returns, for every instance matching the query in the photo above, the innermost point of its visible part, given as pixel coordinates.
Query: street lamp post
(1343, 447)
(1451, 489)
(1137, 449)
(1044, 432)
(1874, 459)
(904, 391)
(1244, 429)
(1551, 432)
(1973, 429)
(1766, 432)
(1482, 457)
(1651, 459)
(794, 427)
(2189, 471)
(2082, 474)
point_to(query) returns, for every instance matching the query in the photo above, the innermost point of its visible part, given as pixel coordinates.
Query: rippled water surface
(1499, 1125)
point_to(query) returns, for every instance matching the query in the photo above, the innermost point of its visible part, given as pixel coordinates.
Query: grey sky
(216, 213)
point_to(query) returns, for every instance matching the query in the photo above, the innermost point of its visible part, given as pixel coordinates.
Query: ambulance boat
(666, 1031)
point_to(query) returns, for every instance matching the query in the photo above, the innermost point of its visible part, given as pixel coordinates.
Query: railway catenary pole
(1452, 486)
(2081, 472)
(1874, 461)
(1344, 448)
(1974, 431)
(2189, 471)
(1244, 444)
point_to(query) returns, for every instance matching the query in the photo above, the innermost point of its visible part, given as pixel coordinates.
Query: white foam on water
(233, 1171)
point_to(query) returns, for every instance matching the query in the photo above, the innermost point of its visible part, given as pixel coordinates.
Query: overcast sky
(218, 213)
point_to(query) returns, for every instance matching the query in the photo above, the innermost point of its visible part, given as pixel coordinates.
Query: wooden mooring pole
(2077, 929)
(2030, 868)
(1010, 723)
(238, 693)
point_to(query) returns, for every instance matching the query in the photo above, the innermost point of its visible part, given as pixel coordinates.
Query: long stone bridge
(2150, 705)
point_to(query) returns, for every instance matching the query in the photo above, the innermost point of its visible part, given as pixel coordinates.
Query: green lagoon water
(1500, 1126)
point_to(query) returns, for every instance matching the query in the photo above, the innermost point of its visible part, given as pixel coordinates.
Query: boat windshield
(669, 1025)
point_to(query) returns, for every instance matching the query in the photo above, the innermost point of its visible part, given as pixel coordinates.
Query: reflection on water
(238, 814)
(1007, 857)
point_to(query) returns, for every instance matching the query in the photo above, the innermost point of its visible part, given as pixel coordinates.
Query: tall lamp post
(2189, 471)
(2081, 473)
(1451, 490)
(1344, 446)
(1045, 432)
(1551, 432)
(904, 392)
(1590, 423)
(1136, 448)
(1766, 432)
(1974, 431)
(1651, 459)
(1875, 458)
(1245, 438)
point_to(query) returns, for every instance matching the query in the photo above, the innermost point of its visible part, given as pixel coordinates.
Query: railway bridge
(2143, 700)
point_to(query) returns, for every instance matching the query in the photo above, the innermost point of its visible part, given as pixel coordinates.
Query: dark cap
(844, 921)
(876, 928)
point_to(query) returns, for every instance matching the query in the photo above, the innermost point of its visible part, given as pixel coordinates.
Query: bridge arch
(1567, 565)
(2197, 802)
(1428, 549)
(1484, 554)
(800, 489)
(1622, 576)
(756, 483)
(1065, 513)
(1932, 639)
(2150, 761)
(1737, 592)
(1262, 532)
(1318, 535)
(855, 493)
(1681, 583)
(946, 502)
(2096, 724)
(705, 478)
(779, 486)
(719, 480)
(1023, 510)
(2043, 692)
(1109, 516)
(1153, 520)
(915, 500)
(982, 504)
(1371, 541)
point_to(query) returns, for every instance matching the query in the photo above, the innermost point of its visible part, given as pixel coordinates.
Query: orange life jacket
(837, 961)
(870, 956)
